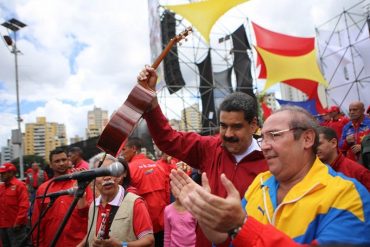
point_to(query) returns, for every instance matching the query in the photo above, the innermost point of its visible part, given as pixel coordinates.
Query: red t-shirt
(150, 180)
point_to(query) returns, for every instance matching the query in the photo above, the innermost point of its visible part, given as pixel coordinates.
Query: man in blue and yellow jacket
(299, 201)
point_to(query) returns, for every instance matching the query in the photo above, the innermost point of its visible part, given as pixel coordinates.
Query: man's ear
(309, 138)
(254, 124)
(334, 143)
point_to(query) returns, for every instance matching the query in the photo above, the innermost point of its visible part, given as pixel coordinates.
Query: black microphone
(115, 170)
(70, 191)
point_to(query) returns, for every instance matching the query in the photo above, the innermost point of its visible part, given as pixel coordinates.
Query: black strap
(113, 212)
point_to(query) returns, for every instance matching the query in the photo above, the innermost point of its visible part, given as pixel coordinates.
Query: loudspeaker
(172, 73)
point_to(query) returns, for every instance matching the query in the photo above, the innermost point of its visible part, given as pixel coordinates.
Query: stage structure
(344, 48)
(201, 71)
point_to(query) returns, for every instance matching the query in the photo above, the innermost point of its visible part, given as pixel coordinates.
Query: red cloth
(150, 180)
(142, 223)
(75, 229)
(35, 176)
(207, 154)
(167, 167)
(82, 164)
(338, 125)
(14, 203)
(352, 169)
(256, 234)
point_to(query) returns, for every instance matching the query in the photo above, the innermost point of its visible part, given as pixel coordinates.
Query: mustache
(108, 182)
(231, 139)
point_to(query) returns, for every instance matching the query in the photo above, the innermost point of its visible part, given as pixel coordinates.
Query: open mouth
(108, 184)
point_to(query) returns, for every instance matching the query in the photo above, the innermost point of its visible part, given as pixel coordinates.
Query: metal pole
(19, 120)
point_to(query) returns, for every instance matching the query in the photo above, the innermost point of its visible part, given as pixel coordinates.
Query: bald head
(356, 110)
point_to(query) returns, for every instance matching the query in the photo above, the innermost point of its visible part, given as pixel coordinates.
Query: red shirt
(82, 164)
(75, 229)
(207, 154)
(35, 178)
(150, 180)
(14, 203)
(338, 125)
(352, 169)
(167, 167)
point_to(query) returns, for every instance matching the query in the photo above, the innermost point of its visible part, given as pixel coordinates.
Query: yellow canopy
(203, 15)
(281, 68)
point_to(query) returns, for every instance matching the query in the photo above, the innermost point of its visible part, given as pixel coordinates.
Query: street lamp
(15, 26)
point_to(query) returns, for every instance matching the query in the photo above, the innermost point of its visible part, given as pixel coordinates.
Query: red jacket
(207, 154)
(76, 227)
(256, 234)
(151, 181)
(14, 203)
(338, 125)
(352, 169)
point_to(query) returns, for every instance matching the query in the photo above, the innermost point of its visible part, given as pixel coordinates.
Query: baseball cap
(334, 108)
(6, 167)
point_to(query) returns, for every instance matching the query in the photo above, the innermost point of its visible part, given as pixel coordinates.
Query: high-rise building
(291, 94)
(191, 119)
(75, 139)
(42, 137)
(97, 119)
(7, 153)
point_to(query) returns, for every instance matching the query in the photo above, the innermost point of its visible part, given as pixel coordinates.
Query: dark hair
(76, 150)
(56, 151)
(328, 133)
(239, 101)
(134, 142)
(126, 181)
(302, 120)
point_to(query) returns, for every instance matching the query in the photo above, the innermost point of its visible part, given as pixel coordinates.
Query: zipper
(292, 201)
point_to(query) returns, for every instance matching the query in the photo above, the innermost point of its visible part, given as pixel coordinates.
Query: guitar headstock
(182, 35)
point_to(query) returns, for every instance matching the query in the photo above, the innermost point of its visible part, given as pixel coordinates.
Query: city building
(42, 137)
(97, 119)
(191, 119)
(75, 139)
(291, 94)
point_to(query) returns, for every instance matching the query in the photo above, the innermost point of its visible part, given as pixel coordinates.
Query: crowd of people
(299, 183)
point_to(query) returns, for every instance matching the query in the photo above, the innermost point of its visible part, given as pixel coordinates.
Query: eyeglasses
(269, 137)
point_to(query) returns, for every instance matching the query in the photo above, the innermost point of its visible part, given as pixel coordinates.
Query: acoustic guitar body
(125, 119)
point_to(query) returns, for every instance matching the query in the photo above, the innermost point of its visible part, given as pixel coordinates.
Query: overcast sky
(79, 54)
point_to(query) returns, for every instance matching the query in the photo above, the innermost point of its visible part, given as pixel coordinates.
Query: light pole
(15, 26)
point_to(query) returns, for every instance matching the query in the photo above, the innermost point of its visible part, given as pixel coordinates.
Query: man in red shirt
(337, 120)
(35, 177)
(75, 229)
(151, 182)
(120, 218)
(75, 156)
(14, 206)
(327, 152)
(234, 151)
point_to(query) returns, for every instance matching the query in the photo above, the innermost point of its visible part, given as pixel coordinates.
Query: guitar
(125, 119)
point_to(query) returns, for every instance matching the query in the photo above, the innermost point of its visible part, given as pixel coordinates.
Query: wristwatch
(233, 232)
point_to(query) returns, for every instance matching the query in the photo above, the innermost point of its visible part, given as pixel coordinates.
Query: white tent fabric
(345, 60)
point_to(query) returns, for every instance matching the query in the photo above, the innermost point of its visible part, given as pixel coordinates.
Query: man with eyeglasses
(234, 151)
(299, 201)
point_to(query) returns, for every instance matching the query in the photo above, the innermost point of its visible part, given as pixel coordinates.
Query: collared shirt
(254, 146)
(14, 203)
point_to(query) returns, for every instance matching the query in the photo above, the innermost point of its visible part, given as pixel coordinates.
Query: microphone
(115, 170)
(70, 191)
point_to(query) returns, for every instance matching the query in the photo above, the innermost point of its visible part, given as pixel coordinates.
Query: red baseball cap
(334, 108)
(7, 167)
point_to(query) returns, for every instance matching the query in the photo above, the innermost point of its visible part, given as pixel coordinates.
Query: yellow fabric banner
(204, 14)
(281, 68)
